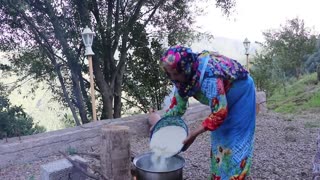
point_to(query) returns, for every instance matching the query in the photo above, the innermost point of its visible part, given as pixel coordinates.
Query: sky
(252, 17)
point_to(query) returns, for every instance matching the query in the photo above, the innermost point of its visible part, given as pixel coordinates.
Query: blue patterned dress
(226, 87)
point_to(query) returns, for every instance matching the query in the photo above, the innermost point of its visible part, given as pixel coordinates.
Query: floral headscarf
(183, 60)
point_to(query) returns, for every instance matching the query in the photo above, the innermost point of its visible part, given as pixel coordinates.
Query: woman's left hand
(191, 137)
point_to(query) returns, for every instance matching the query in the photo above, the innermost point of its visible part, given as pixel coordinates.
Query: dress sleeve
(178, 105)
(218, 106)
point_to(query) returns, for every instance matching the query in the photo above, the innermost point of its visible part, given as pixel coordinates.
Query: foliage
(45, 38)
(43, 46)
(67, 121)
(71, 150)
(144, 81)
(262, 71)
(288, 46)
(313, 60)
(283, 56)
(13, 120)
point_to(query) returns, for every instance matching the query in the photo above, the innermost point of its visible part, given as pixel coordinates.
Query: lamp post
(246, 44)
(87, 37)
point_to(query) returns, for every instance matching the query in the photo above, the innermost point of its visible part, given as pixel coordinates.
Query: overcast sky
(252, 17)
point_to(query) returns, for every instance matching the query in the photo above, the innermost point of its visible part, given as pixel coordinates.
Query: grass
(287, 108)
(302, 94)
(314, 101)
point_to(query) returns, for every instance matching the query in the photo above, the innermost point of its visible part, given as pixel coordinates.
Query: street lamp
(246, 44)
(87, 37)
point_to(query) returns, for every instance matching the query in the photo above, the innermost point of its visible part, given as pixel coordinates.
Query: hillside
(301, 95)
(38, 105)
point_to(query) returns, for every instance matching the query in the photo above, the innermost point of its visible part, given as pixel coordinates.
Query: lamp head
(246, 44)
(87, 37)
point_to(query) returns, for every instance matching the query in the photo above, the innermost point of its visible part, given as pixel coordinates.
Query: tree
(284, 54)
(50, 31)
(289, 45)
(262, 71)
(145, 83)
(313, 60)
(49, 47)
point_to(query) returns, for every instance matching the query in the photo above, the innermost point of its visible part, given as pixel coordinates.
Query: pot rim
(135, 160)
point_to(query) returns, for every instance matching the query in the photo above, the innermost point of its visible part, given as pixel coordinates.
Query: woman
(224, 85)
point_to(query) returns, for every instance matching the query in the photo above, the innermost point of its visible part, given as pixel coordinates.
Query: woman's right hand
(192, 136)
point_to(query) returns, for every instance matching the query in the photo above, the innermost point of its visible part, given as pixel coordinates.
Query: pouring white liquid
(165, 143)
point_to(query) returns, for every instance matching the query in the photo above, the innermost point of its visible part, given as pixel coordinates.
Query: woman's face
(174, 75)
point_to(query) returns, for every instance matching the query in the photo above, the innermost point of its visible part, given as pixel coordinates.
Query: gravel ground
(284, 148)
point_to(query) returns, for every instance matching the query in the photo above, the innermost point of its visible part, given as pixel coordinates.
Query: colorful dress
(224, 85)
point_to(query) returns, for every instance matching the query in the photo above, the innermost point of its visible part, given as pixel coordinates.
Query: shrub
(14, 121)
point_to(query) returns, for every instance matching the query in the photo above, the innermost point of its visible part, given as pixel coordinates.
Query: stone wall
(38, 146)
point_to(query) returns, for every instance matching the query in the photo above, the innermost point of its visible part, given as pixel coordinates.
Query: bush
(14, 121)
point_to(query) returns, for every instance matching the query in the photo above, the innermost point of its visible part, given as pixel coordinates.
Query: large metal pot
(145, 171)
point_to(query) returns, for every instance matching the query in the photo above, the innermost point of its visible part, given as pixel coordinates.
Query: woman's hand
(191, 137)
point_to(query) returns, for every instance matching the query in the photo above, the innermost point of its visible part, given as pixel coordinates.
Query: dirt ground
(284, 149)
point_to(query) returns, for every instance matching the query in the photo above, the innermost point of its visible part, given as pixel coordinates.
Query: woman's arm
(218, 105)
(192, 136)
(178, 105)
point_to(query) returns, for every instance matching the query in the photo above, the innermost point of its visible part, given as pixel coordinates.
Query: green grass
(287, 108)
(302, 94)
(314, 101)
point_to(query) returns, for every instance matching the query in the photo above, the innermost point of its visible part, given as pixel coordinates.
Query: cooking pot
(145, 170)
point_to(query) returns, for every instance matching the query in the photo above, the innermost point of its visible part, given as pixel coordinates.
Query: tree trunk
(297, 72)
(117, 94)
(105, 89)
(107, 99)
(284, 88)
(66, 96)
(79, 98)
(85, 94)
(72, 62)
(318, 72)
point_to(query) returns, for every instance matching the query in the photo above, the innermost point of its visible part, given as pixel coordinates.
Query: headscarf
(223, 67)
(183, 60)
